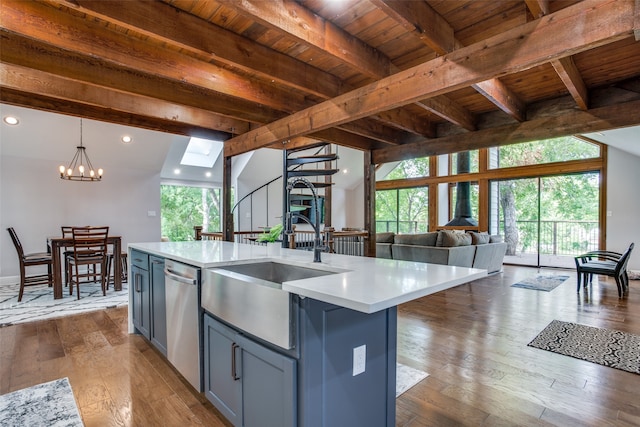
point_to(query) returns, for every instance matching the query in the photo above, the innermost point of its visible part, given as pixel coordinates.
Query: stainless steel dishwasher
(183, 320)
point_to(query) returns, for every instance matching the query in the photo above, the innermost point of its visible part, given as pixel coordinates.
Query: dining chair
(67, 251)
(30, 260)
(89, 250)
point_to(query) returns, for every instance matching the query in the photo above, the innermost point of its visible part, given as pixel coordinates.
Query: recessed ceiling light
(345, 170)
(126, 139)
(11, 120)
(208, 174)
(176, 171)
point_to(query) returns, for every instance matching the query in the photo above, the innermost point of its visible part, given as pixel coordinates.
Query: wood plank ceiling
(400, 78)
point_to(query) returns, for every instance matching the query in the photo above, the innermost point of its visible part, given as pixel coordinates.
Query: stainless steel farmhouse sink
(249, 296)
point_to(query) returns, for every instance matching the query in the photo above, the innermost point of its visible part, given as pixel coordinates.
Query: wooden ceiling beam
(65, 31)
(165, 23)
(538, 8)
(450, 111)
(568, 72)
(423, 21)
(579, 27)
(20, 79)
(29, 27)
(312, 30)
(565, 67)
(568, 123)
(30, 53)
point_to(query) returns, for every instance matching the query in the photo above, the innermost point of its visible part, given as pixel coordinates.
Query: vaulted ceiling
(400, 78)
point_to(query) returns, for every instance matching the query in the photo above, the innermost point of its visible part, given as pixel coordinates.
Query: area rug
(38, 303)
(606, 347)
(407, 377)
(541, 282)
(49, 404)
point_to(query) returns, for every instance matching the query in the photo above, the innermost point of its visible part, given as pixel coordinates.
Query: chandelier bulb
(69, 172)
(92, 173)
(81, 169)
(61, 169)
(100, 172)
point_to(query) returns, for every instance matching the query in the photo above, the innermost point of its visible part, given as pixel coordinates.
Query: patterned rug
(38, 303)
(407, 377)
(541, 282)
(49, 404)
(606, 347)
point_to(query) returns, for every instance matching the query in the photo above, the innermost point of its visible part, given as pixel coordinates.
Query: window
(403, 211)
(543, 151)
(183, 207)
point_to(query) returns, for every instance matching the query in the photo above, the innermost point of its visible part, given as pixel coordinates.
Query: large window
(402, 211)
(183, 207)
(543, 196)
(542, 152)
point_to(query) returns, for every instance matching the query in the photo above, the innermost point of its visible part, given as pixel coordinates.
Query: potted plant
(270, 235)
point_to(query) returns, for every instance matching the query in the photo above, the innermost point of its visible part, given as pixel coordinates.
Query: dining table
(57, 243)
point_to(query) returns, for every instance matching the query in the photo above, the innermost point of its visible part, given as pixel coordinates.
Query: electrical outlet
(359, 359)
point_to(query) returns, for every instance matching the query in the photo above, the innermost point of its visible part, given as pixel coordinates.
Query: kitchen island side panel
(330, 395)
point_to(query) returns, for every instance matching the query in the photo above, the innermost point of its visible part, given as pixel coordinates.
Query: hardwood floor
(472, 340)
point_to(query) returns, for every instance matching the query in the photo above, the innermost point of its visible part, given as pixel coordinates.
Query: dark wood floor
(472, 340)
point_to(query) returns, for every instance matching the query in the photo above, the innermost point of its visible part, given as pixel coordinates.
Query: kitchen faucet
(288, 228)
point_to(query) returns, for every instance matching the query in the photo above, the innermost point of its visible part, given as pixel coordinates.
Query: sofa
(448, 247)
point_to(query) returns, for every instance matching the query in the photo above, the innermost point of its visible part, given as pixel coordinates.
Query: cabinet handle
(137, 282)
(234, 374)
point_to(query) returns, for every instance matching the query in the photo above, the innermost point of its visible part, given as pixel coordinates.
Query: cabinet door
(141, 301)
(221, 369)
(269, 392)
(158, 305)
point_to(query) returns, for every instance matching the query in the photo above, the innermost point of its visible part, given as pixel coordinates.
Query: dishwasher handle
(178, 278)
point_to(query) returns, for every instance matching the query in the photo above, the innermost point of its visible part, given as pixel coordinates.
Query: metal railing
(407, 227)
(346, 242)
(557, 237)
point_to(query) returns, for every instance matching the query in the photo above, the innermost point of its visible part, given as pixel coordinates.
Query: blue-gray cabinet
(148, 298)
(140, 292)
(158, 333)
(250, 384)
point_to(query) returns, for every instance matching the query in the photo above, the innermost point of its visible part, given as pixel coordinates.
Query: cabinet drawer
(139, 259)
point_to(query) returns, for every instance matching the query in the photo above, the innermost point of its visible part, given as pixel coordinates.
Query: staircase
(314, 169)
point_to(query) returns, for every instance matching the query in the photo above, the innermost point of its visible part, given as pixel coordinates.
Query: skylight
(201, 152)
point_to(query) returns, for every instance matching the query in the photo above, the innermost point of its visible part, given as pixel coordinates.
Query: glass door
(546, 221)
(515, 216)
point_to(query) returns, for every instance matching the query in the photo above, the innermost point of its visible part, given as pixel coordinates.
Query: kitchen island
(335, 365)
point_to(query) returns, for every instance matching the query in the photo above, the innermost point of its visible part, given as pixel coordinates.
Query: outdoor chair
(606, 263)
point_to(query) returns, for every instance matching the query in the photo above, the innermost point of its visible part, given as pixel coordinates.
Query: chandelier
(80, 168)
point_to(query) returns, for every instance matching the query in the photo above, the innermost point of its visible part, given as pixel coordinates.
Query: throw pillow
(419, 239)
(495, 238)
(385, 237)
(452, 239)
(481, 238)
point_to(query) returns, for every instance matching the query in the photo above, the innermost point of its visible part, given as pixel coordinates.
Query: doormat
(541, 282)
(606, 347)
(49, 404)
(407, 377)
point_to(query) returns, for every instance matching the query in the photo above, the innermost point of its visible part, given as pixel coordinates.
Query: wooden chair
(123, 268)
(606, 263)
(89, 249)
(67, 252)
(29, 260)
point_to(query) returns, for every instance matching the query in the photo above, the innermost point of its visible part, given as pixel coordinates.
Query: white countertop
(368, 285)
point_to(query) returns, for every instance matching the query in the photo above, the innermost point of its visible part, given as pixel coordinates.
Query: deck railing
(557, 237)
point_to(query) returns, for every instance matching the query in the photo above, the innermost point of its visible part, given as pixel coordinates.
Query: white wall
(36, 202)
(623, 201)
